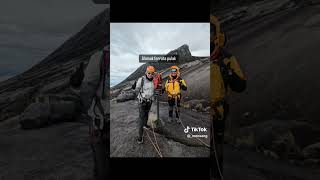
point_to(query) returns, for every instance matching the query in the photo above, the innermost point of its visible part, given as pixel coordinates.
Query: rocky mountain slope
(171, 137)
(63, 147)
(278, 113)
(51, 75)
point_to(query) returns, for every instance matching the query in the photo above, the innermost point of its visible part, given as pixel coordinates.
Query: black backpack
(77, 77)
(134, 85)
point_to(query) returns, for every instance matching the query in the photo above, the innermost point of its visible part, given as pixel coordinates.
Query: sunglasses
(150, 73)
(174, 71)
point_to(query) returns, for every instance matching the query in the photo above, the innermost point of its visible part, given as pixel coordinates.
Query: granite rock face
(42, 96)
(52, 74)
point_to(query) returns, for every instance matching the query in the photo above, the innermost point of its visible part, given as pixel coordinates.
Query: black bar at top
(160, 11)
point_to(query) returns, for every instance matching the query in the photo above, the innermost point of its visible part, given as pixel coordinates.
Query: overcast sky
(30, 30)
(128, 40)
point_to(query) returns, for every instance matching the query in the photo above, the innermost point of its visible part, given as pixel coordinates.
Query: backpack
(77, 77)
(142, 84)
(156, 82)
(235, 82)
(104, 65)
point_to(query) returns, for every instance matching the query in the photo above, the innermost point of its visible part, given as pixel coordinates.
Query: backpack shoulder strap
(103, 72)
(223, 70)
(142, 84)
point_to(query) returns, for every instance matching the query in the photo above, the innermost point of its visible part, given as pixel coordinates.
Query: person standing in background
(94, 100)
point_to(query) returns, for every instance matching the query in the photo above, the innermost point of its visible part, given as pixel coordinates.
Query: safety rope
(208, 146)
(155, 146)
(215, 153)
(154, 135)
(177, 111)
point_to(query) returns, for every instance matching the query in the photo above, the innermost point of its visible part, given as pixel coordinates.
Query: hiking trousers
(172, 103)
(144, 108)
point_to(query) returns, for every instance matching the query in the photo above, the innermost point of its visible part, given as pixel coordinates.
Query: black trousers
(144, 109)
(217, 129)
(172, 103)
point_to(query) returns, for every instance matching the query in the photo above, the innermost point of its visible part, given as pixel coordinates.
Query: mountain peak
(182, 51)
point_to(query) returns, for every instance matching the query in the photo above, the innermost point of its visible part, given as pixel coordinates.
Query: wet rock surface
(278, 111)
(42, 96)
(170, 137)
(245, 164)
(56, 152)
(52, 74)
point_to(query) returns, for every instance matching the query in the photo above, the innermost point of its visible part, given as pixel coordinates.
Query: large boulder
(199, 105)
(275, 136)
(114, 93)
(126, 96)
(36, 115)
(15, 102)
(63, 111)
(312, 151)
(48, 110)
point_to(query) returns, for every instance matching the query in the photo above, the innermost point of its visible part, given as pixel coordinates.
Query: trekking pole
(158, 89)
(158, 109)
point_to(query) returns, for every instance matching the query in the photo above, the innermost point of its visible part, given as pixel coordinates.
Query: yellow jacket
(173, 87)
(221, 80)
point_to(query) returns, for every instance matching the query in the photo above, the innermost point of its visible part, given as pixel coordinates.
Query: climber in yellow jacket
(173, 87)
(225, 75)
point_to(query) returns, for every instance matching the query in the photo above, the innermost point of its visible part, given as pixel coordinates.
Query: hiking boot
(140, 140)
(170, 119)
